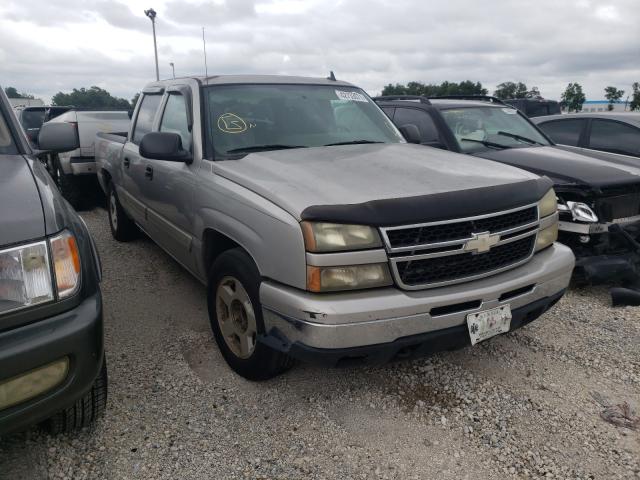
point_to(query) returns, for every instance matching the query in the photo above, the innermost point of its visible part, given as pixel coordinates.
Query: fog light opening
(26, 386)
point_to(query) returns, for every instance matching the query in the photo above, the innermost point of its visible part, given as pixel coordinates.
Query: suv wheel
(84, 411)
(70, 186)
(122, 227)
(236, 318)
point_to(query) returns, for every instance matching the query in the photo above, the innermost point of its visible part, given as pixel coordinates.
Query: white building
(26, 102)
(591, 106)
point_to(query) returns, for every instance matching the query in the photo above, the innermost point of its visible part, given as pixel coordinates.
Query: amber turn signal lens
(66, 261)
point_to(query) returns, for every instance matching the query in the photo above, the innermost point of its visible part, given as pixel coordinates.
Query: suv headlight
(26, 276)
(547, 208)
(579, 211)
(336, 237)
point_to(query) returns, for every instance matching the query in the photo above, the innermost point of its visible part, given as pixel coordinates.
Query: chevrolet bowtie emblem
(481, 242)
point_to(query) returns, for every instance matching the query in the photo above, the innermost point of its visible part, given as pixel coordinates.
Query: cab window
(564, 132)
(146, 114)
(419, 118)
(174, 119)
(615, 137)
(6, 142)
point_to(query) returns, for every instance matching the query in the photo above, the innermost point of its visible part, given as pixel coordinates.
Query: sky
(48, 46)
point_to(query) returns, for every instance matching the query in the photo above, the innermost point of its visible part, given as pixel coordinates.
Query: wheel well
(106, 176)
(214, 244)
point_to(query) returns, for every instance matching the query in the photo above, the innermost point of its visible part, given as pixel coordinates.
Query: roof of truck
(252, 79)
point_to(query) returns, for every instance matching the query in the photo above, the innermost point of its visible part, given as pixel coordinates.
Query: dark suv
(598, 198)
(52, 366)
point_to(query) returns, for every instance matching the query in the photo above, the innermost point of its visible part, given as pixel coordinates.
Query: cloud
(50, 46)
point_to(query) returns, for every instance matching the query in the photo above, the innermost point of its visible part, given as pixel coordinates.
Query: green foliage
(507, 90)
(635, 97)
(613, 95)
(12, 92)
(134, 100)
(94, 97)
(466, 87)
(573, 97)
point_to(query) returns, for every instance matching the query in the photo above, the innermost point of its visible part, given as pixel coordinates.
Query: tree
(134, 100)
(12, 92)
(635, 97)
(613, 95)
(573, 98)
(533, 93)
(466, 87)
(94, 97)
(506, 90)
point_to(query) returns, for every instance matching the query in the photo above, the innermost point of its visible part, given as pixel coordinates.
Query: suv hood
(356, 174)
(22, 217)
(567, 167)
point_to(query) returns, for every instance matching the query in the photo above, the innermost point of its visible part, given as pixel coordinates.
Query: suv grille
(446, 232)
(448, 252)
(454, 267)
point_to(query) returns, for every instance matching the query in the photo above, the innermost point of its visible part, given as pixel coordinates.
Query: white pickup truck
(74, 172)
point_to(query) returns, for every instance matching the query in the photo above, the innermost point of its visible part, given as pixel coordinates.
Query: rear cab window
(564, 132)
(146, 116)
(615, 137)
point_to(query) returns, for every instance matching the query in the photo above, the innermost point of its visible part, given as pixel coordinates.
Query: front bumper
(76, 334)
(296, 321)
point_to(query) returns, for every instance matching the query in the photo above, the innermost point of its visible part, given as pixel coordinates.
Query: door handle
(148, 172)
(126, 162)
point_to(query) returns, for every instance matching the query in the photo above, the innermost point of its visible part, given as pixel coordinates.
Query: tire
(122, 227)
(84, 411)
(70, 186)
(236, 318)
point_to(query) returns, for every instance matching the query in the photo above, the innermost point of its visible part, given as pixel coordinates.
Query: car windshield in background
(32, 118)
(6, 143)
(250, 118)
(482, 128)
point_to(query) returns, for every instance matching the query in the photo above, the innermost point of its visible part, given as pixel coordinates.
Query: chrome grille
(453, 251)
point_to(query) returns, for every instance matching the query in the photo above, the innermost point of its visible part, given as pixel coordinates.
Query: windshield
(246, 118)
(483, 128)
(32, 118)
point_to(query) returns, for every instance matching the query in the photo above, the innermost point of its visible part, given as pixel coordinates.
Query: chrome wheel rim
(236, 318)
(113, 210)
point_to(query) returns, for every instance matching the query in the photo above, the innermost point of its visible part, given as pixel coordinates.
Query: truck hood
(356, 174)
(21, 216)
(567, 167)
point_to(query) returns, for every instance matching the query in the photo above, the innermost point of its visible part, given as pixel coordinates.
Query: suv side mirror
(58, 137)
(411, 133)
(164, 146)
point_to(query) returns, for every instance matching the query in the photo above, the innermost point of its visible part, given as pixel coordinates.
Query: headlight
(66, 262)
(334, 237)
(548, 204)
(25, 277)
(353, 277)
(547, 236)
(579, 211)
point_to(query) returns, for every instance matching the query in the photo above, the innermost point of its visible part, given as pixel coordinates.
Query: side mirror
(411, 133)
(58, 137)
(164, 146)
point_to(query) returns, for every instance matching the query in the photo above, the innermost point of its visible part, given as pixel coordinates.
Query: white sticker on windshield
(510, 111)
(352, 96)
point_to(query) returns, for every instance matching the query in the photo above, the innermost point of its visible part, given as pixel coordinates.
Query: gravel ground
(524, 405)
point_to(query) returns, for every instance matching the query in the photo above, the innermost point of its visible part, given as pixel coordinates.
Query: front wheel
(236, 318)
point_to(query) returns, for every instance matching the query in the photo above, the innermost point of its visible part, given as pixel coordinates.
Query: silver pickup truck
(320, 233)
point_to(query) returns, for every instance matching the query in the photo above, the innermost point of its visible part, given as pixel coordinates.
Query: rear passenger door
(428, 131)
(615, 137)
(565, 131)
(132, 192)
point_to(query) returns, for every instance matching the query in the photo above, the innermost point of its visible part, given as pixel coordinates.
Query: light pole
(151, 13)
(173, 69)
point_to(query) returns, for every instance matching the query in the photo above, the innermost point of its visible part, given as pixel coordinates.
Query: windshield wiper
(486, 143)
(351, 142)
(259, 148)
(520, 137)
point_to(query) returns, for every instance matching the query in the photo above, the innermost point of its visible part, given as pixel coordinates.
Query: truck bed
(108, 149)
